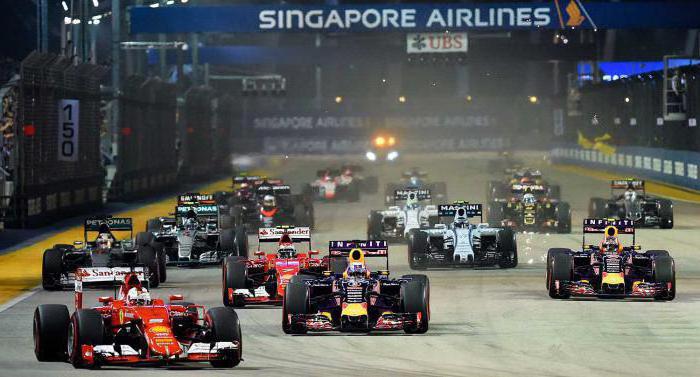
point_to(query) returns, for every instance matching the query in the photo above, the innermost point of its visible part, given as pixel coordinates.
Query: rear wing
(598, 226)
(194, 199)
(636, 184)
(296, 234)
(199, 210)
(535, 189)
(450, 210)
(94, 224)
(370, 248)
(405, 194)
(414, 173)
(103, 275)
(274, 189)
(237, 180)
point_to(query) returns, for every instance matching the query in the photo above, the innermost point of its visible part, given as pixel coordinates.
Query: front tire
(147, 256)
(665, 272)
(51, 269)
(225, 327)
(85, 328)
(417, 249)
(414, 298)
(51, 323)
(562, 271)
(666, 214)
(296, 301)
(508, 248)
(235, 276)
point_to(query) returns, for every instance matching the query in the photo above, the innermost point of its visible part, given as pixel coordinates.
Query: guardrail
(679, 168)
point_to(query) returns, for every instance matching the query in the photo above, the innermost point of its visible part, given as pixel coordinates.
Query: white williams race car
(461, 243)
(396, 221)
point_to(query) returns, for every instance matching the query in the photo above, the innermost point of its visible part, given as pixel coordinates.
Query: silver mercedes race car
(411, 210)
(461, 243)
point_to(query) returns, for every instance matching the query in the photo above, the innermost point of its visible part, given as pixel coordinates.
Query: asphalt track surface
(486, 322)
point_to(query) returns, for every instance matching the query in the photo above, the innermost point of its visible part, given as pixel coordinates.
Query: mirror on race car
(106, 300)
(176, 297)
(313, 252)
(259, 253)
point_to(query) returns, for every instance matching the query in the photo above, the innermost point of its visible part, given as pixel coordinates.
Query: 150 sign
(68, 125)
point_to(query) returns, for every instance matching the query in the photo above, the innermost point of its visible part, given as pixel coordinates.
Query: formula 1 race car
(461, 243)
(633, 204)
(610, 270)
(415, 179)
(344, 183)
(274, 205)
(358, 300)
(131, 328)
(501, 190)
(105, 254)
(383, 147)
(529, 209)
(262, 280)
(396, 221)
(198, 234)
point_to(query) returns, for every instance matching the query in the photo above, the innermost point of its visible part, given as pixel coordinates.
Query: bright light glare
(371, 156)
(184, 1)
(76, 21)
(64, 5)
(338, 99)
(533, 99)
(170, 2)
(393, 155)
(391, 141)
(627, 99)
(154, 5)
(402, 99)
(379, 141)
(67, 20)
(95, 3)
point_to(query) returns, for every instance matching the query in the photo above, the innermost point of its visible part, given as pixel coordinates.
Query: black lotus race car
(633, 204)
(357, 300)
(105, 255)
(598, 271)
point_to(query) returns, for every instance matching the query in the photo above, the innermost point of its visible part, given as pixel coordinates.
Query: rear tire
(148, 257)
(597, 208)
(666, 214)
(51, 269)
(85, 328)
(50, 330)
(235, 276)
(374, 226)
(227, 242)
(241, 240)
(414, 298)
(417, 248)
(153, 225)
(353, 192)
(144, 238)
(508, 248)
(561, 270)
(563, 214)
(296, 301)
(226, 222)
(225, 327)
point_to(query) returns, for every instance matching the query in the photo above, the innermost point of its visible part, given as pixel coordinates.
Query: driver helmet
(412, 200)
(287, 250)
(630, 194)
(611, 245)
(357, 270)
(529, 199)
(461, 219)
(104, 241)
(269, 201)
(138, 296)
(347, 172)
(414, 180)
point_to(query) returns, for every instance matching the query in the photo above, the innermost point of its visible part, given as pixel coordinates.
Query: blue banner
(557, 14)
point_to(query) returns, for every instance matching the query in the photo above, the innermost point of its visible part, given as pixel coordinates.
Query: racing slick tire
(415, 299)
(374, 225)
(550, 257)
(561, 269)
(353, 192)
(226, 222)
(162, 261)
(664, 271)
(554, 192)
(423, 279)
(597, 208)
(50, 330)
(296, 300)
(144, 238)
(225, 327)
(496, 214)
(417, 247)
(235, 276)
(237, 214)
(508, 248)
(86, 327)
(665, 214)
(563, 214)
(148, 257)
(51, 269)
(153, 225)
(227, 242)
(241, 239)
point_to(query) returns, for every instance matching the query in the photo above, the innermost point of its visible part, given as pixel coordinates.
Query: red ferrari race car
(262, 280)
(133, 328)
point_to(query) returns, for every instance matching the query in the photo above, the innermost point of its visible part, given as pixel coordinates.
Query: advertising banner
(423, 43)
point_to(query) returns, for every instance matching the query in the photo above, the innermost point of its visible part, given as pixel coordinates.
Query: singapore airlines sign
(404, 18)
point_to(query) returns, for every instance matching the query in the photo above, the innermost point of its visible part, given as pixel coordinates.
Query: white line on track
(19, 298)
